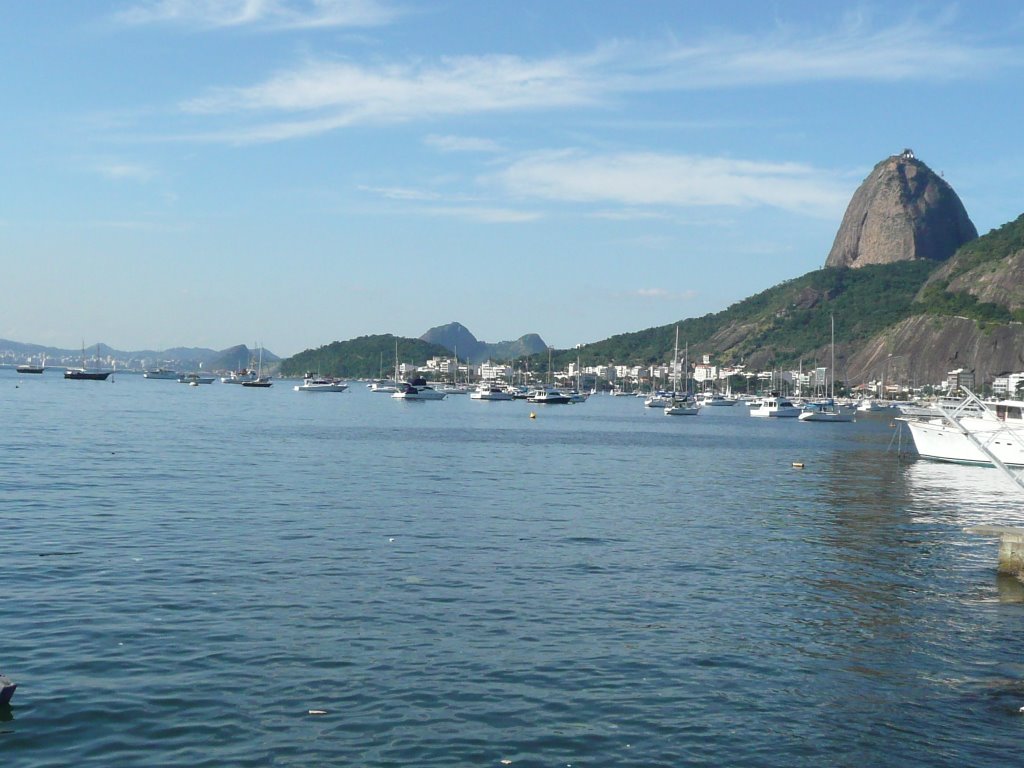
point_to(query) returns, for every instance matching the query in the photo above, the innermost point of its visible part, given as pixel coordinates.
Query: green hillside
(783, 324)
(361, 358)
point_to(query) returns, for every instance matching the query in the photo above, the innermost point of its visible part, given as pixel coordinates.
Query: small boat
(260, 380)
(383, 387)
(716, 399)
(240, 376)
(490, 392)
(683, 406)
(776, 407)
(84, 373)
(320, 384)
(160, 373)
(827, 410)
(549, 396)
(659, 399)
(417, 389)
(195, 378)
(29, 368)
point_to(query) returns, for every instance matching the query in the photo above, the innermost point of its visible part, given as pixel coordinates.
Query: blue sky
(293, 172)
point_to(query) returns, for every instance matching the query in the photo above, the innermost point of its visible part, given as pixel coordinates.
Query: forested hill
(362, 358)
(784, 324)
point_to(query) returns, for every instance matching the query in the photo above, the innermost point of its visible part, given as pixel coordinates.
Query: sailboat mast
(832, 369)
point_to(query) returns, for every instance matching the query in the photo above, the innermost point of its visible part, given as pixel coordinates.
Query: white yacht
(417, 389)
(320, 384)
(999, 429)
(195, 378)
(384, 387)
(775, 407)
(239, 377)
(488, 391)
(549, 396)
(160, 373)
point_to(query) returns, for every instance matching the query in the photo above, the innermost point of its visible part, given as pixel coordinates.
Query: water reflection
(963, 494)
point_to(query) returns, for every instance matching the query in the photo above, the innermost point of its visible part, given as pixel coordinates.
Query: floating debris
(318, 711)
(533, 415)
(798, 465)
(7, 688)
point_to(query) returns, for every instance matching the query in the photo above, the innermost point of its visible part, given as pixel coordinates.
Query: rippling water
(188, 571)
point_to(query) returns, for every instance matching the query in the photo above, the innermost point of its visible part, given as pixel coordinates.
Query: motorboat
(385, 387)
(454, 389)
(195, 378)
(240, 376)
(869, 405)
(29, 368)
(659, 399)
(160, 373)
(549, 396)
(575, 396)
(320, 384)
(490, 392)
(776, 407)
(683, 406)
(972, 433)
(716, 399)
(417, 389)
(827, 410)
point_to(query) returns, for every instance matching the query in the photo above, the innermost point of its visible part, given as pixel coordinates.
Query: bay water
(224, 576)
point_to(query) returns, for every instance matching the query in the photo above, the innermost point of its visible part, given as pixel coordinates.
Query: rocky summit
(902, 211)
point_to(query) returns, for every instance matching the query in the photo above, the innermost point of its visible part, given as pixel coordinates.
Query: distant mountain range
(178, 358)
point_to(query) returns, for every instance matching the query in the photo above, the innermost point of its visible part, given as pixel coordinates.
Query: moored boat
(967, 435)
(160, 373)
(776, 407)
(417, 389)
(321, 384)
(195, 378)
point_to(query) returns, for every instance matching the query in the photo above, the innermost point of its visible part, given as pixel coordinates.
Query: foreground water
(187, 572)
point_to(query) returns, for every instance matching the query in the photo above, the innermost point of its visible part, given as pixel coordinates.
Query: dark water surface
(186, 572)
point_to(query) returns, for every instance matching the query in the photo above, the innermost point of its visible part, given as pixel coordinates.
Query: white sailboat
(682, 404)
(829, 410)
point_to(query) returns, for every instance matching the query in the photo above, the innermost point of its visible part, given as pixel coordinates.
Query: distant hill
(455, 337)
(362, 358)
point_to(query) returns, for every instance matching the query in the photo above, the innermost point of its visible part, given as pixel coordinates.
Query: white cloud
(488, 215)
(671, 180)
(462, 144)
(661, 294)
(400, 193)
(321, 96)
(289, 14)
(121, 171)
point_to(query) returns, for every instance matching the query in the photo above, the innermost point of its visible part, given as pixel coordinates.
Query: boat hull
(87, 375)
(941, 441)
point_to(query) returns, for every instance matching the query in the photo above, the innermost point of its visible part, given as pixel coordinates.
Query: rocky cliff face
(922, 349)
(901, 211)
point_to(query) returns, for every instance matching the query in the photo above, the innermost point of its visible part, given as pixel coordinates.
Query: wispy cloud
(401, 193)
(489, 215)
(462, 144)
(123, 171)
(650, 179)
(325, 95)
(660, 294)
(287, 14)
